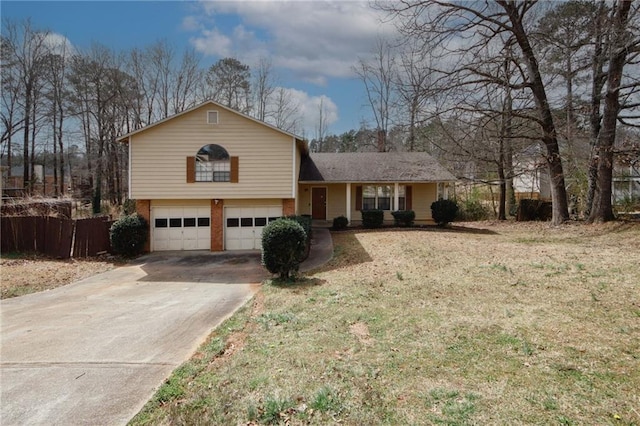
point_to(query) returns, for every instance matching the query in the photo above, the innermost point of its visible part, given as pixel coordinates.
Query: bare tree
(99, 98)
(185, 81)
(624, 44)
(461, 31)
(27, 48)
(263, 88)
(283, 110)
(378, 75)
(413, 85)
(56, 77)
(12, 121)
(321, 128)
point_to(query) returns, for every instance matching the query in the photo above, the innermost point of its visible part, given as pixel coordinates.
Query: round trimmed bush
(128, 235)
(340, 223)
(283, 247)
(404, 218)
(444, 211)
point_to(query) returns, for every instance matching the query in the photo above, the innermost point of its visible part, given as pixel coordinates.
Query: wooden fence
(55, 237)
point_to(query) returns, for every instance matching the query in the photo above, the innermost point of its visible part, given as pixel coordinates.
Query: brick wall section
(288, 206)
(217, 217)
(143, 208)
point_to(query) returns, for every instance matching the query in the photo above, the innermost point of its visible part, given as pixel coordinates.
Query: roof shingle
(373, 167)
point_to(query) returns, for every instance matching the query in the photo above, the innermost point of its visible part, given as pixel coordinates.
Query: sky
(313, 45)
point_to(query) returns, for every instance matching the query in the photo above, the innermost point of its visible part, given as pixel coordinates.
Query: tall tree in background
(10, 92)
(56, 78)
(624, 44)
(100, 92)
(413, 85)
(284, 110)
(460, 31)
(28, 49)
(378, 75)
(229, 83)
(263, 88)
(566, 34)
(317, 145)
(185, 82)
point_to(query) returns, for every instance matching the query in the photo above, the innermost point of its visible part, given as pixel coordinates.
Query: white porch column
(348, 204)
(396, 196)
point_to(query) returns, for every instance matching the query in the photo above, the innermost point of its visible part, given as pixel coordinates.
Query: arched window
(212, 164)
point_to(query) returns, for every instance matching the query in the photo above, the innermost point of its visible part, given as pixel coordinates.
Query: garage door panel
(181, 228)
(244, 225)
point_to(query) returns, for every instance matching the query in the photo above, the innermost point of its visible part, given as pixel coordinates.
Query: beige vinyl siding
(423, 195)
(180, 203)
(259, 202)
(158, 158)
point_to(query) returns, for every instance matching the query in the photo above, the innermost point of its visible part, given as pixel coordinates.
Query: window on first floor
(382, 197)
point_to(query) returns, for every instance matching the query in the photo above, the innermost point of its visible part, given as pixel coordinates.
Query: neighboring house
(212, 178)
(43, 185)
(626, 183)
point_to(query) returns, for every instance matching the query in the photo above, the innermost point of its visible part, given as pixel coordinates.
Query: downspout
(129, 171)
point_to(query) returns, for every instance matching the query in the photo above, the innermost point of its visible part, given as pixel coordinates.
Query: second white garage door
(243, 226)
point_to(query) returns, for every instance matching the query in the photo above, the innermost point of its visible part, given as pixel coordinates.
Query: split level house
(210, 178)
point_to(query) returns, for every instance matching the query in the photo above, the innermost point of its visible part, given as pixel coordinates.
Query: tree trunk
(597, 84)
(502, 215)
(602, 209)
(549, 138)
(25, 149)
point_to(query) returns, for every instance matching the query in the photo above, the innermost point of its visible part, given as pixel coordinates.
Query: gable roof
(125, 138)
(373, 167)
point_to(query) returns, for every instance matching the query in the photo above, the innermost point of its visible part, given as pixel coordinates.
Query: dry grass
(24, 274)
(484, 324)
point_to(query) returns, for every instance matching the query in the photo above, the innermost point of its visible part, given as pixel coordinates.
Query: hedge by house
(403, 218)
(340, 223)
(128, 235)
(372, 218)
(444, 211)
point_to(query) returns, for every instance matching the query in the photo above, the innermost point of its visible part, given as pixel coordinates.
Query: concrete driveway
(93, 352)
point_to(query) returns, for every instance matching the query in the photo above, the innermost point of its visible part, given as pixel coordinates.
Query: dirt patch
(361, 331)
(35, 273)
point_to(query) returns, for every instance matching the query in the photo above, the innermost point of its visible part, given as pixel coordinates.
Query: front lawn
(484, 324)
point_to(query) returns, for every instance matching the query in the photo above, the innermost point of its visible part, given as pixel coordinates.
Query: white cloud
(59, 44)
(315, 40)
(309, 110)
(213, 42)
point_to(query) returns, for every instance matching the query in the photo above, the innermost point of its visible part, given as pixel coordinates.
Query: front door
(319, 203)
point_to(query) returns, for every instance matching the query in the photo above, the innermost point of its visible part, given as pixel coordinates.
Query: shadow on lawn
(347, 251)
(428, 228)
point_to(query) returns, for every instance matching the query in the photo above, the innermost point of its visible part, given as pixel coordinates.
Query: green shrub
(403, 218)
(444, 211)
(372, 218)
(304, 221)
(128, 235)
(340, 223)
(472, 210)
(283, 246)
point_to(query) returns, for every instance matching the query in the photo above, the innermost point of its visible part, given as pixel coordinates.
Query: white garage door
(181, 228)
(243, 226)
